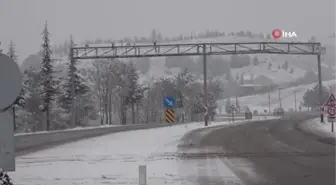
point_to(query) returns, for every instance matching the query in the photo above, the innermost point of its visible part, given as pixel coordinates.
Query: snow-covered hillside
(260, 102)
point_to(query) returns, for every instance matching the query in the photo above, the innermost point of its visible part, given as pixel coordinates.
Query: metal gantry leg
(319, 71)
(205, 85)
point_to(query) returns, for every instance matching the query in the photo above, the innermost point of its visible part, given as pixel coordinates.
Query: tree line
(108, 92)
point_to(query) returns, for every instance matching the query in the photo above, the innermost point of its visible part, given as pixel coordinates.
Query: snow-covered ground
(322, 128)
(71, 129)
(114, 159)
(260, 102)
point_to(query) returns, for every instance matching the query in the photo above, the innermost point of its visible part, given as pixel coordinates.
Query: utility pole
(295, 100)
(280, 98)
(269, 101)
(147, 107)
(73, 94)
(205, 84)
(319, 70)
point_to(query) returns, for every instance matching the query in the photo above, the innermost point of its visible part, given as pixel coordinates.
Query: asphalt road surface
(278, 152)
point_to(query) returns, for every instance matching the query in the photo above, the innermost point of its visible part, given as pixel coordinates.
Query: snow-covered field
(260, 102)
(114, 159)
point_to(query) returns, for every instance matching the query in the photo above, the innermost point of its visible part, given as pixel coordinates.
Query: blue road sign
(169, 102)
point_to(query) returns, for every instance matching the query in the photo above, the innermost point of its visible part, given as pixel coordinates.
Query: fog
(22, 21)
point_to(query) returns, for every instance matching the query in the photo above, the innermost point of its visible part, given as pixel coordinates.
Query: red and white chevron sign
(206, 110)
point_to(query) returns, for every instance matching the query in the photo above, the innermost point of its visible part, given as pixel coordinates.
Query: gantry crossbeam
(195, 49)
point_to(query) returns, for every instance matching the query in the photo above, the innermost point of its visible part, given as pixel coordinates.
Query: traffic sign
(10, 81)
(331, 101)
(332, 111)
(169, 102)
(169, 116)
(331, 118)
(206, 110)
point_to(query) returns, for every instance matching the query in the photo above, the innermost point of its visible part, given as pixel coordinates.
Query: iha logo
(277, 33)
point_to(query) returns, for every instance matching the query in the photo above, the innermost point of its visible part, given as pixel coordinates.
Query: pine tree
(291, 70)
(228, 106)
(47, 71)
(133, 93)
(66, 99)
(285, 66)
(20, 100)
(242, 79)
(237, 104)
(73, 91)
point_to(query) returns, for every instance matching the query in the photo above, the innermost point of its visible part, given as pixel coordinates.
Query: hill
(260, 102)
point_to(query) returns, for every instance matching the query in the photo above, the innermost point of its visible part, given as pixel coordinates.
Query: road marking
(223, 172)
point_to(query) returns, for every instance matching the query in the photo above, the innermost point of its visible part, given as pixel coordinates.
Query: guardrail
(26, 143)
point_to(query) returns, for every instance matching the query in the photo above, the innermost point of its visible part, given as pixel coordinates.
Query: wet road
(279, 153)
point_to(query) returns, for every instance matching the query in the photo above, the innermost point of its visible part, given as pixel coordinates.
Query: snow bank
(31, 142)
(323, 129)
(67, 130)
(114, 159)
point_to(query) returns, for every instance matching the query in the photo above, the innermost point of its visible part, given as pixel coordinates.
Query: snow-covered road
(114, 159)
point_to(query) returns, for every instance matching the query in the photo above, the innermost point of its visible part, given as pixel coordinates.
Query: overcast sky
(22, 20)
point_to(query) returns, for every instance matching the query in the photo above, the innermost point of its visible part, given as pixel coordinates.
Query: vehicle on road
(279, 112)
(248, 113)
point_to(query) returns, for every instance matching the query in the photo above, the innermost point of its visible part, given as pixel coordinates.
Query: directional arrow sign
(169, 102)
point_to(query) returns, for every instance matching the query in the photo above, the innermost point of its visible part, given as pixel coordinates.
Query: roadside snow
(114, 159)
(322, 128)
(67, 130)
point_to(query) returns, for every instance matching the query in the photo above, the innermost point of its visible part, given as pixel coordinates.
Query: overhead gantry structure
(200, 49)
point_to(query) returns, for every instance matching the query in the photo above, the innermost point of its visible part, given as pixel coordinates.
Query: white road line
(226, 174)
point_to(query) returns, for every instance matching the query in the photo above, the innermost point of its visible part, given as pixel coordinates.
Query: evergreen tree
(255, 61)
(237, 104)
(134, 92)
(285, 66)
(291, 70)
(32, 85)
(47, 84)
(67, 97)
(311, 97)
(242, 79)
(228, 106)
(73, 92)
(269, 66)
(20, 100)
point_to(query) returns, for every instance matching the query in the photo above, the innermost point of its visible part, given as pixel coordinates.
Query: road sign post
(232, 112)
(331, 109)
(10, 87)
(7, 152)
